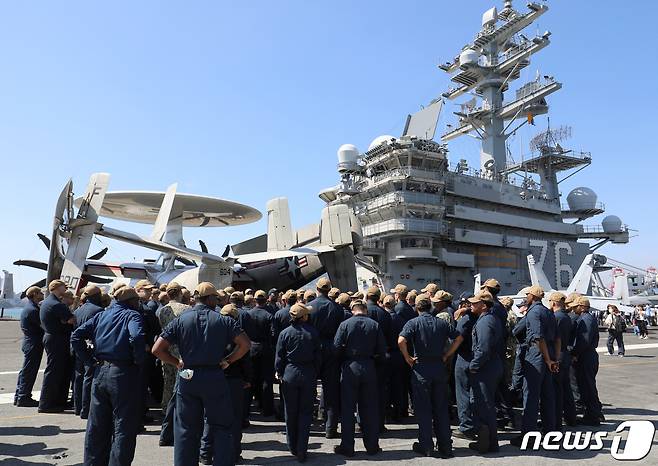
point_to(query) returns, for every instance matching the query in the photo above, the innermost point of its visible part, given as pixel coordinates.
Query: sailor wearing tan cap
(152, 373)
(117, 336)
(57, 321)
(586, 361)
(359, 342)
(257, 324)
(398, 377)
(383, 366)
(84, 374)
(486, 368)
(238, 375)
(564, 403)
(402, 307)
(541, 361)
(202, 335)
(326, 316)
(298, 360)
(32, 348)
(428, 337)
(167, 313)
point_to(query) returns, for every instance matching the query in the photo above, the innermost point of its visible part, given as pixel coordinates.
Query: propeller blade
(30, 263)
(95, 279)
(204, 248)
(44, 239)
(99, 255)
(40, 284)
(185, 261)
(226, 251)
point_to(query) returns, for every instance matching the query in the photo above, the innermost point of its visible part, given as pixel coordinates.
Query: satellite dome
(468, 57)
(612, 224)
(379, 140)
(581, 198)
(348, 155)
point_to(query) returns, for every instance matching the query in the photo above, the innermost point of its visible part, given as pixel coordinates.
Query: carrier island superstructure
(427, 220)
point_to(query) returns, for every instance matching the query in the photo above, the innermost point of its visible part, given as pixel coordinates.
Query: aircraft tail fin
(83, 228)
(164, 215)
(8, 285)
(477, 283)
(280, 235)
(537, 275)
(621, 291)
(582, 280)
(336, 226)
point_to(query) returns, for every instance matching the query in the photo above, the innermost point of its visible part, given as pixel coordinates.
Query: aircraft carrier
(428, 216)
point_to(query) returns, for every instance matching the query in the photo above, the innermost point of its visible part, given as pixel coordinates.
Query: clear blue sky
(250, 100)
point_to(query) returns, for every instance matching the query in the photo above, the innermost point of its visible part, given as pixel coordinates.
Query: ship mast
(485, 68)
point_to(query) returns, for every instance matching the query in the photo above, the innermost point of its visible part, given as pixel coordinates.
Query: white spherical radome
(582, 198)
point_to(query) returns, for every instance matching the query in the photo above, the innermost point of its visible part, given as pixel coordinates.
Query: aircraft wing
(82, 230)
(295, 252)
(157, 245)
(124, 270)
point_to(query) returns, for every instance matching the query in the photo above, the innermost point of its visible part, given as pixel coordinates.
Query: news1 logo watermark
(637, 445)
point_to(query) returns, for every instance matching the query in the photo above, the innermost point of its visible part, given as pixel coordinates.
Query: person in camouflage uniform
(510, 352)
(167, 313)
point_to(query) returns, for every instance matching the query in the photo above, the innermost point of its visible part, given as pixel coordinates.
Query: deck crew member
(486, 368)
(281, 319)
(257, 324)
(383, 365)
(586, 361)
(402, 307)
(152, 377)
(298, 359)
(326, 316)
(400, 373)
(171, 311)
(539, 365)
(238, 376)
(57, 321)
(32, 348)
(359, 341)
(428, 336)
(84, 373)
(564, 404)
(202, 335)
(117, 335)
(463, 345)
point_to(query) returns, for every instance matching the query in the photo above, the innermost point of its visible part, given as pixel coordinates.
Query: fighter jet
(282, 258)
(579, 284)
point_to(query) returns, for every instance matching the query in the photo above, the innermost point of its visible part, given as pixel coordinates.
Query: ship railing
(565, 207)
(404, 224)
(402, 198)
(407, 172)
(599, 229)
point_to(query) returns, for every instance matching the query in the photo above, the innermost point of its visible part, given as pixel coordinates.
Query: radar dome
(468, 57)
(611, 224)
(581, 198)
(379, 140)
(348, 155)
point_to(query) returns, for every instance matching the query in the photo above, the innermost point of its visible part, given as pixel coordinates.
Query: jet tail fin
(582, 280)
(280, 235)
(83, 228)
(8, 285)
(477, 283)
(621, 291)
(164, 215)
(537, 275)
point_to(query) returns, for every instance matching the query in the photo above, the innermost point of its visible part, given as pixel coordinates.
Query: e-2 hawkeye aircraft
(282, 258)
